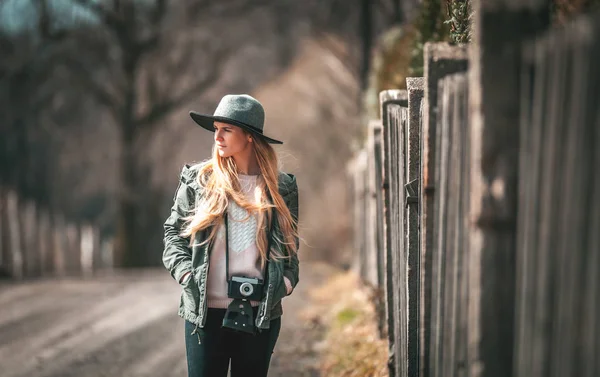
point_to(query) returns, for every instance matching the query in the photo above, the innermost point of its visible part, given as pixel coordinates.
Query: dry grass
(351, 347)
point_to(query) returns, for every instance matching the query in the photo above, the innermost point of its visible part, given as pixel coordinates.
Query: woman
(233, 230)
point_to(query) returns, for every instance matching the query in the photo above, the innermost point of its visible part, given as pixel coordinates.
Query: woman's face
(231, 140)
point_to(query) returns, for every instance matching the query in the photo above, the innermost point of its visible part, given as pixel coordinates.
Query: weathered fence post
(351, 182)
(441, 59)
(373, 189)
(449, 300)
(35, 242)
(74, 248)
(87, 249)
(415, 89)
(97, 251)
(14, 235)
(362, 196)
(44, 241)
(558, 242)
(3, 235)
(394, 109)
(499, 28)
(375, 217)
(357, 168)
(106, 250)
(60, 246)
(29, 237)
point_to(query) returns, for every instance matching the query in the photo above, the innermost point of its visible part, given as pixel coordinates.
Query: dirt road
(126, 325)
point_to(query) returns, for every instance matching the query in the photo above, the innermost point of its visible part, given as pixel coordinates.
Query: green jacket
(179, 257)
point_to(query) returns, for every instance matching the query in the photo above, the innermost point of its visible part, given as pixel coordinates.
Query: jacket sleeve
(177, 255)
(291, 266)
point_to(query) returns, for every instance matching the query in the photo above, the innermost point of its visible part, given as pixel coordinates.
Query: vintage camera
(239, 315)
(244, 288)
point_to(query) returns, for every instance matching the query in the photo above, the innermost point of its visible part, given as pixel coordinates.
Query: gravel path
(123, 325)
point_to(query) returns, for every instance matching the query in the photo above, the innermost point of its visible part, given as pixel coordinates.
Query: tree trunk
(126, 248)
(398, 13)
(366, 38)
(125, 245)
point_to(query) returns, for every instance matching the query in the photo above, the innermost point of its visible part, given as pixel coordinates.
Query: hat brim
(207, 122)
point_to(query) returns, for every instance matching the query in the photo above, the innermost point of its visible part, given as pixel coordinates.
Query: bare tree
(25, 69)
(140, 90)
(132, 65)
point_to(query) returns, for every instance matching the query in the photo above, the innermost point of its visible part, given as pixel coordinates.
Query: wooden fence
(558, 257)
(466, 291)
(35, 242)
(394, 115)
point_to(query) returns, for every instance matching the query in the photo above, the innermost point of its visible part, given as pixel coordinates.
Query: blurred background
(94, 130)
(95, 95)
(95, 99)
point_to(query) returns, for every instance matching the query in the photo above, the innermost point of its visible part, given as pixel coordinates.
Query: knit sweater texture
(244, 256)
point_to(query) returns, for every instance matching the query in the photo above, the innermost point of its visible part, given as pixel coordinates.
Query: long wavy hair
(219, 183)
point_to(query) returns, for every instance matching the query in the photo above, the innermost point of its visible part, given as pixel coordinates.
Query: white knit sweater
(244, 257)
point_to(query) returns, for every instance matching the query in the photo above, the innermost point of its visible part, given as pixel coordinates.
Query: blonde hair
(219, 183)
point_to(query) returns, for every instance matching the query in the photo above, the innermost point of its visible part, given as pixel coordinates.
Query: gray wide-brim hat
(239, 110)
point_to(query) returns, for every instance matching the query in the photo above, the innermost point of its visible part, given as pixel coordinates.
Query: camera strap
(269, 241)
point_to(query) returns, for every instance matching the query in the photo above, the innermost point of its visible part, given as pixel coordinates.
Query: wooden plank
(401, 114)
(362, 193)
(44, 242)
(97, 254)
(440, 222)
(14, 233)
(30, 238)
(440, 60)
(396, 202)
(462, 191)
(533, 115)
(415, 89)
(558, 317)
(87, 249)
(4, 256)
(376, 218)
(107, 247)
(454, 304)
(372, 189)
(60, 246)
(494, 118)
(387, 98)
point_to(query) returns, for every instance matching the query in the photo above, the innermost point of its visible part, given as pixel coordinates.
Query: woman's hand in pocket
(190, 292)
(185, 278)
(288, 286)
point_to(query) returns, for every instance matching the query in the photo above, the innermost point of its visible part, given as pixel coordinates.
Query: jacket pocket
(279, 292)
(190, 295)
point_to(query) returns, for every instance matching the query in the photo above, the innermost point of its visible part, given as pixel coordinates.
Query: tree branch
(45, 23)
(148, 44)
(201, 9)
(177, 67)
(158, 13)
(107, 16)
(156, 18)
(160, 110)
(85, 78)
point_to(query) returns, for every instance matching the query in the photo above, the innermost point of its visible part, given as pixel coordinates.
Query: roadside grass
(351, 346)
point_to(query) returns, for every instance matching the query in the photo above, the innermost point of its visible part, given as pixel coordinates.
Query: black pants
(250, 354)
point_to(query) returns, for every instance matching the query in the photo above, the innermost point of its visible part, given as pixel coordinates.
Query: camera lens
(246, 289)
